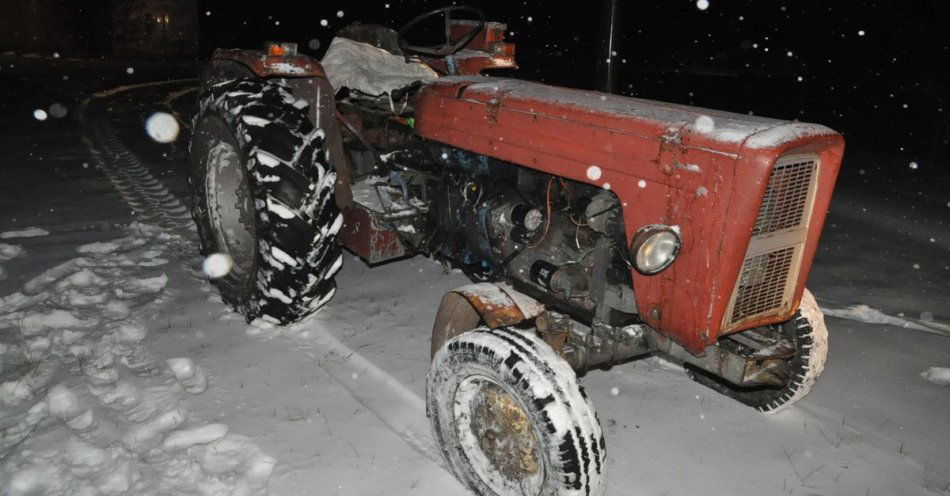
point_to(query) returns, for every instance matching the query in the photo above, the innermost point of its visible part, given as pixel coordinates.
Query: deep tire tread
(299, 182)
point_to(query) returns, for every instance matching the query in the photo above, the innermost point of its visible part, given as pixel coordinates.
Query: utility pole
(607, 69)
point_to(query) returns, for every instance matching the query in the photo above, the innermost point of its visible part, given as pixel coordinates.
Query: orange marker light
(276, 50)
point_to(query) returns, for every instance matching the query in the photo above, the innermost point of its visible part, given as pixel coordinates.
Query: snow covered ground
(123, 373)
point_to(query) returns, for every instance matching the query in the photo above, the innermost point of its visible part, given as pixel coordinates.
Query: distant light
(40, 114)
(162, 127)
(702, 4)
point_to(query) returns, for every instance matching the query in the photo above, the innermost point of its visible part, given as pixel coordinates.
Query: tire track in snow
(148, 197)
(401, 410)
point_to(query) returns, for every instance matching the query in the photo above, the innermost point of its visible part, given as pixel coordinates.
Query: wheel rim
(231, 206)
(498, 438)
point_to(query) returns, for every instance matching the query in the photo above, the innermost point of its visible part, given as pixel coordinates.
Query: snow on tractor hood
(374, 71)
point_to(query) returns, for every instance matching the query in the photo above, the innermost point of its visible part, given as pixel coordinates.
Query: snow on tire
(511, 417)
(263, 196)
(809, 334)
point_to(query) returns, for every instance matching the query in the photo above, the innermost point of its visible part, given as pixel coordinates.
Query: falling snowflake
(593, 173)
(217, 265)
(339, 13)
(39, 114)
(702, 4)
(704, 124)
(912, 165)
(162, 127)
(130, 70)
(58, 110)
(324, 22)
(641, 183)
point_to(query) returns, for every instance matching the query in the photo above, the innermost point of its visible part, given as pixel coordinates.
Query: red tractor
(596, 228)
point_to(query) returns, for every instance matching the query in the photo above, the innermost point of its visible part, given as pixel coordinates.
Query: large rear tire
(263, 196)
(511, 417)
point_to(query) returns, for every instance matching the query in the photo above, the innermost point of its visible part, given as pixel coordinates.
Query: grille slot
(762, 283)
(783, 206)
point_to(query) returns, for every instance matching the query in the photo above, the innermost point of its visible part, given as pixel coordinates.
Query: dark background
(885, 89)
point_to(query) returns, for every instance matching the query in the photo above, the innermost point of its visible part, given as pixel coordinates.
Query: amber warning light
(280, 49)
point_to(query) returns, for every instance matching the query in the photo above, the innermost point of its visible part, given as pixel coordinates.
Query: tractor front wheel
(807, 332)
(511, 418)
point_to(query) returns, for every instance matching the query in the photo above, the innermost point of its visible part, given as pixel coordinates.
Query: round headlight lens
(654, 248)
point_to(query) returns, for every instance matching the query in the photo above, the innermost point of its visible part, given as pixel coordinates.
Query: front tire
(808, 333)
(511, 417)
(263, 197)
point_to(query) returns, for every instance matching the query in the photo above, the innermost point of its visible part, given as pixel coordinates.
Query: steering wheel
(449, 47)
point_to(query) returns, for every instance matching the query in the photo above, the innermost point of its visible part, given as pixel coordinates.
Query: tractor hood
(704, 171)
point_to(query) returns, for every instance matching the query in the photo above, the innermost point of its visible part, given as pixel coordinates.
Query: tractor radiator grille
(769, 272)
(762, 283)
(783, 206)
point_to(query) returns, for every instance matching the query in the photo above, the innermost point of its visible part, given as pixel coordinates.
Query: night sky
(876, 71)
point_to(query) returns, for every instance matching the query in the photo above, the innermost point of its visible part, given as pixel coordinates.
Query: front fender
(497, 305)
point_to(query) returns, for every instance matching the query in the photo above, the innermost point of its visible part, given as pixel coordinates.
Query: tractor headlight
(654, 248)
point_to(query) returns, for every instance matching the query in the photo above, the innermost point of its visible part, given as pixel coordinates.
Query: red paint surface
(564, 132)
(367, 238)
(264, 66)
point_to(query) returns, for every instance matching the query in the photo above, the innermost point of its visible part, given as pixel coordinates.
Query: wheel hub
(230, 205)
(504, 433)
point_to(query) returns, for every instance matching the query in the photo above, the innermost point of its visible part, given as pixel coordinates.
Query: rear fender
(464, 308)
(262, 65)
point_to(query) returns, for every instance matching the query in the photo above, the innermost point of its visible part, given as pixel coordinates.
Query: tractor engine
(557, 240)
